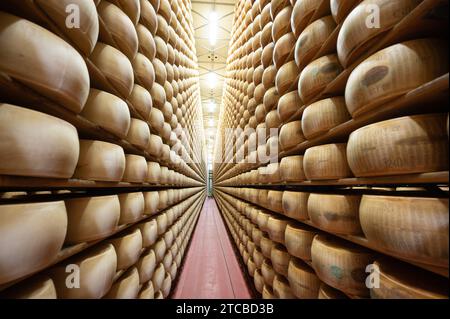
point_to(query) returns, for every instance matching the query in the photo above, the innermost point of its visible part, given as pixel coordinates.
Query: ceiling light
(211, 106)
(212, 26)
(212, 80)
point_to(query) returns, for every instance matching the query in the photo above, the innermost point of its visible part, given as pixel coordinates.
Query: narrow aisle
(211, 269)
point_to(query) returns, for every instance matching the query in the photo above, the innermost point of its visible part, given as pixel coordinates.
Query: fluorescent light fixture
(212, 80)
(211, 106)
(212, 27)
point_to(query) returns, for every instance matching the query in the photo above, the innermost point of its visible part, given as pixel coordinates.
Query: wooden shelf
(362, 241)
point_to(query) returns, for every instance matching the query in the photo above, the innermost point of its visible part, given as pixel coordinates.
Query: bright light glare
(211, 107)
(211, 122)
(212, 80)
(212, 26)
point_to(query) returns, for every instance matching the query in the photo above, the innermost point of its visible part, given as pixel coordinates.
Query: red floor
(211, 269)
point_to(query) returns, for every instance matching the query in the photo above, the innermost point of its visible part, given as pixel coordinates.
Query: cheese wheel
(131, 8)
(154, 147)
(319, 117)
(107, 111)
(166, 285)
(262, 219)
(268, 293)
(147, 44)
(115, 67)
(405, 145)
(280, 259)
(267, 272)
(281, 288)
(275, 202)
(295, 205)
(334, 213)
(144, 71)
(153, 172)
(317, 75)
(149, 231)
(117, 29)
(151, 202)
(147, 291)
(270, 102)
(141, 100)
(158, 277)
(35, 57)
(161, 220)
(126, 287)
(128, 248)
(276, 227)
(258, 281)
(269, 76)
(298, 240)
(251, 267)
(97, 268)
(394, 71)
(159, 295)
(148, 18)
(131, 207)
(160, 72)
(303, 280)
(281, 23)
(341, 8)
(291, 135)
(326, 162)
(291, 169)
(173, 270)
(341, 264)
(266, 246)
(312, 38)
(91, 218)
(289, 105)
(360, 30)
(282, 51)
(135, 169)
(287, 77)
(146, 266)
(414, 228)
(156, 120)
(29, 145)
(38, 287)
(258, 257)
(402, 281)
(138, 134)
(301, 14)
(327, 292)
(100, 161)
(31, 235)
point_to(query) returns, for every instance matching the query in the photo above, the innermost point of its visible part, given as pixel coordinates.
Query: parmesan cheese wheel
(267, 293)
(287, 77)
(281, 23)
(317, 75)
(267, 272)
(107, 111)
(144, 71)
(128, 248)
(35, 57)
(38, 287)
(141, 100)
(149, 231)
(115, 67)
(280, 259)
(154, 147)
(401, 281)
(276, 227)
(151, 202)
(126, 287)
(301, 14)
(282, 51)
(131, 8)
(335, 213)
(146, 266)
(262, 219)
(295, 205)
(414, 228)
(275, 203)
(312, 38)
(298, 240)
(31, 235)
(117, 29)
(319, 117)
(135, 169)
(303, 280)
(100, 161)
(156, 121)
(394, 71)
(291, 169)
(29, 145)
(341, 264)
(326, 162)
(281, 288)
(159, 295)
(147, 291)
(270, 101)
(405, 145)
(288, 105)
(148, 18)
(269, 76)
(97, 268)
(138, 134)
(291, 135)
(161, 220)
(91, 218)
(153, 172)
(158, 277)
(166, 285)
(341, 8)
(147, 44)
(327, 292)
(359, 31)
(131, 207)
(266, 246)
(258, 281)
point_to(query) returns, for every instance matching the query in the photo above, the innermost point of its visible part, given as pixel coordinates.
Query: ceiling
(212, 57)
